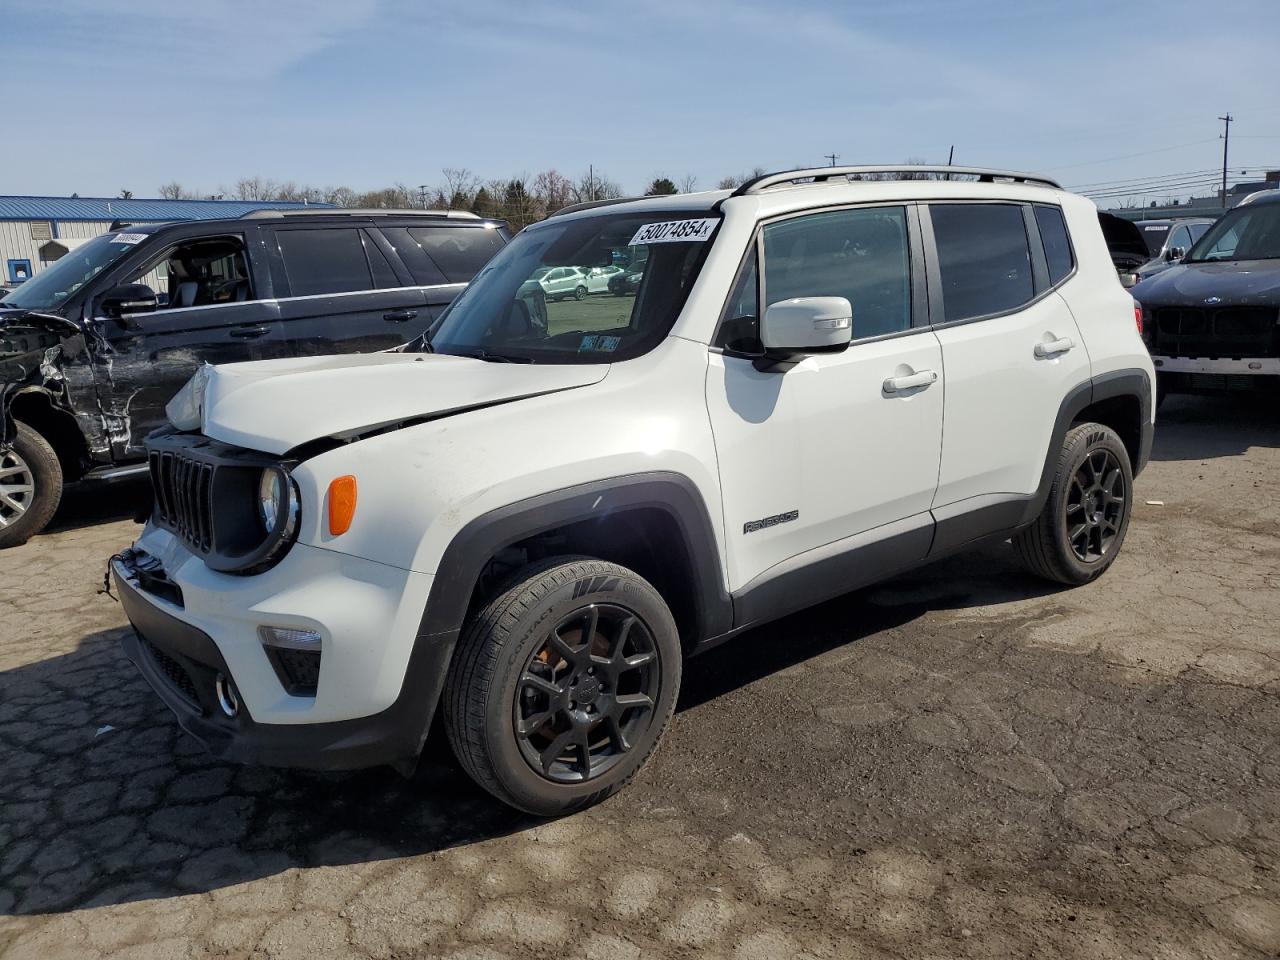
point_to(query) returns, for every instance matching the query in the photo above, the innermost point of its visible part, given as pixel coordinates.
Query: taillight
(1137, 316)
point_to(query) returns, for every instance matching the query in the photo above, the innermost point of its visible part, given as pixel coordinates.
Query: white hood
(276, 405)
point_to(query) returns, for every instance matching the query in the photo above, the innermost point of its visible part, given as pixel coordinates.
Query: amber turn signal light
(342, 504)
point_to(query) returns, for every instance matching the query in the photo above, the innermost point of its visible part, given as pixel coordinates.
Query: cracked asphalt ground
(960, 763)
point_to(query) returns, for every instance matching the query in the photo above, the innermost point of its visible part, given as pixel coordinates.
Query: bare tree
(734, 181)
(340, 196)
(688, 183)
(173, 191)
(459, 184)
(594, 185)
(553, 190)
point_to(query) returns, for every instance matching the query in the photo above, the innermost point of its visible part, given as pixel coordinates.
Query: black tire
(580, 293)
(490, 688)
(29, 463)
(1060, 545)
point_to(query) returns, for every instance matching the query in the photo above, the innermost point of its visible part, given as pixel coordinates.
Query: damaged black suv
(96, 344)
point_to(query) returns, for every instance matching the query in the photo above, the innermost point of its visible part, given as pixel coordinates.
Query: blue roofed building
(35, 231)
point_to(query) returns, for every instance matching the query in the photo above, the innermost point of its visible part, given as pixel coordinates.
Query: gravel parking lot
(963, 762)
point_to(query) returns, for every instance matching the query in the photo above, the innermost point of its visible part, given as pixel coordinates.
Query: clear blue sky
(102, 95)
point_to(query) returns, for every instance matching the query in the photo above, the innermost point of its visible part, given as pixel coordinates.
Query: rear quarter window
(459, 252)
(1057, 244)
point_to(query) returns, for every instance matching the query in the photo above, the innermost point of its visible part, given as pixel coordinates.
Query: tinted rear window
(983, 258)
(459, 252)
(1057, 245)
(324, 261)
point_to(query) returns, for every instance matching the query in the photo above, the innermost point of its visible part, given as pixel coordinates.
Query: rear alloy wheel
(562, 685)
(580, 293)
(1084, 520)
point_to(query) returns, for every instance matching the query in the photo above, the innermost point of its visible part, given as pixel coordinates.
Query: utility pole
(1226, 139)
(422, 195)
(833, 157)
(951, 154)
(591, 178)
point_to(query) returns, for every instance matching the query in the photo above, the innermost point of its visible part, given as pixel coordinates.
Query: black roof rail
(273, 213)
(823, 174)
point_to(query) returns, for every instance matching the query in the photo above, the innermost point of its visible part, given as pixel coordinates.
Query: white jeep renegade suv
(521, 528)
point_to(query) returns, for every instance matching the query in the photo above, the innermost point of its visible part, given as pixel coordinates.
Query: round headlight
(271, 494)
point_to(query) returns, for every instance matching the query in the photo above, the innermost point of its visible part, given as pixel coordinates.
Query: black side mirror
(127, 298)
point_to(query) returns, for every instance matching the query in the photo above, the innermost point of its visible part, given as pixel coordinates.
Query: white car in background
(597, 278)
(560, 283)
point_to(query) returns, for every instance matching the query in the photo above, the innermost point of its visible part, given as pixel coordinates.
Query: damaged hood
(276, 405)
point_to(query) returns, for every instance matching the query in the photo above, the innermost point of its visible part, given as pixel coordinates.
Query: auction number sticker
(130, 238)
(674, 231)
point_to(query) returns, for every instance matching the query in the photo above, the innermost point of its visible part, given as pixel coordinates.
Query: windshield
(54, 284)
(532, 303)
(1245, 233)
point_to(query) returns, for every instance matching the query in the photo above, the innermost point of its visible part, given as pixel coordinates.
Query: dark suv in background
(94, 346)
(1212, 321)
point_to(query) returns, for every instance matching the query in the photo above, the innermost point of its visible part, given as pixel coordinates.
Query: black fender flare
(471, 548)
(1132, 382)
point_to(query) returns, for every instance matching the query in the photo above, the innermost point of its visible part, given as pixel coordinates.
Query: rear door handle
(400, 316)
(1054, 347)
(922, 379)
(250, 333)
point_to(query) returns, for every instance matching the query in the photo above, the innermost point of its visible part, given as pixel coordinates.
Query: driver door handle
(1054, 347)
(922, 379)
(250, 333)
(400, 316)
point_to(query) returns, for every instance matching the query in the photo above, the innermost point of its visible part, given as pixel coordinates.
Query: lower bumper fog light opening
(295, 656)
(226, 693)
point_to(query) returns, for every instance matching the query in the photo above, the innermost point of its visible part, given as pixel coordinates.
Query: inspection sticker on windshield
(674, 231)
(129, 238)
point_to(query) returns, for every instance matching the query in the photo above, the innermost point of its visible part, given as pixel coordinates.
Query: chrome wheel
(17, 487)
(1095, 506)
(587, 693)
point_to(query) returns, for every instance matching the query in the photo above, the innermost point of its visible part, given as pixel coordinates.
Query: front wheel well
(646, 540)
(36, 409)
(1123, 414)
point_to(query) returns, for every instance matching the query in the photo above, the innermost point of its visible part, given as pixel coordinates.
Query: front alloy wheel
(587, 693)
(562, 685)
(17, 487)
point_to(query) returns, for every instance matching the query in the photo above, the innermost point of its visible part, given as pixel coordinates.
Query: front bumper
(378, 687)
(181, 663)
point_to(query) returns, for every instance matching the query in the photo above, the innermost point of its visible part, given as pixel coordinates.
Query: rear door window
(984, 261)
(459, 252)
(331, 260)
(1057, 245)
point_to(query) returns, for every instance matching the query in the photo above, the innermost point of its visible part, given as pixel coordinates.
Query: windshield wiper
(480, 353)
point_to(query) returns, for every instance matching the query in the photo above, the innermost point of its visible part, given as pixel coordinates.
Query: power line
(1129, 156)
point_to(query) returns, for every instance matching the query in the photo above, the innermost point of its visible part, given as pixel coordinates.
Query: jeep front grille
(184, 497)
